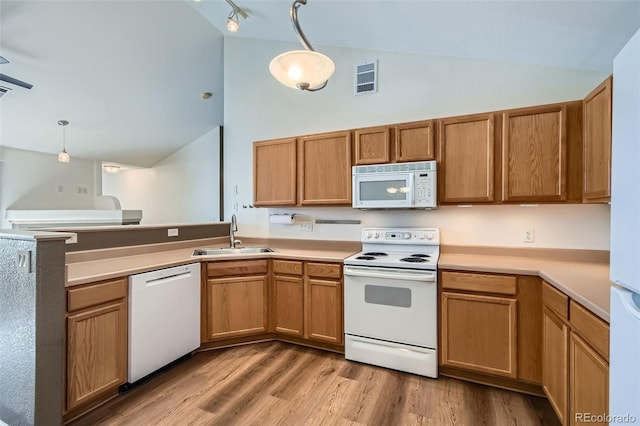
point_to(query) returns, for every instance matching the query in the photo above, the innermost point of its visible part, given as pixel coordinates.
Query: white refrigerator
(624, 357)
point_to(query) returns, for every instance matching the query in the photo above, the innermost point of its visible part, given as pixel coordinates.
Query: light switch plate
(24, 261)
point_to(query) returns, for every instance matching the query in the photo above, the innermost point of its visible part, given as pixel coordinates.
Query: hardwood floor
(275, 383)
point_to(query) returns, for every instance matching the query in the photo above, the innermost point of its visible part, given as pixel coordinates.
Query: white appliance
(391, 300)
(164, 318)
(624, 357)
(395, 186)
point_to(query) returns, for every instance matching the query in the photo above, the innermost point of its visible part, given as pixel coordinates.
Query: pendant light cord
(302, 38)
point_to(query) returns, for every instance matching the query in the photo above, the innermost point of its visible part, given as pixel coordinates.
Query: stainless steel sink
(229, 250)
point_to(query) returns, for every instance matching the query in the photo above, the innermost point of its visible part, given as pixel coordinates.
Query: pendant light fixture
(63, 156)
(302, 69)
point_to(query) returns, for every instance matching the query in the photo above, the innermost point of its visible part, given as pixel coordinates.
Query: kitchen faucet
(234, 227)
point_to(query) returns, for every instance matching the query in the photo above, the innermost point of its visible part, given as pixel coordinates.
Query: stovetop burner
(365, 258)
(413, 259)
(401, 248)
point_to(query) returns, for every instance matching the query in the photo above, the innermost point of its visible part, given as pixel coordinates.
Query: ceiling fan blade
(15, 81)
(3, 61)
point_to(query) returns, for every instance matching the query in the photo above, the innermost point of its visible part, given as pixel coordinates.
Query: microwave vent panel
(366, 78)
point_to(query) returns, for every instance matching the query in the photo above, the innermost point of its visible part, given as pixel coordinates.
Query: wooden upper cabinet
(467, 158)
(372, 145)
(597, 144)
(324, 166)
(274, 172)
(414, 141)
(534, 154)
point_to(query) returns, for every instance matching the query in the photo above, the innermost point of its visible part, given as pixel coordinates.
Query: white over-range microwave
(395, 186)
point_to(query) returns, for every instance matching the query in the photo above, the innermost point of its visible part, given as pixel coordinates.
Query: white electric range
(391, 300)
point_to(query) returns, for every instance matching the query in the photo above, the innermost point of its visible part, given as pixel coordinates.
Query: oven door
(396, 305)
(383, 191)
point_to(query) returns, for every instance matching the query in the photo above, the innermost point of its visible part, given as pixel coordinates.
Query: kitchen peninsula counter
(98, 265)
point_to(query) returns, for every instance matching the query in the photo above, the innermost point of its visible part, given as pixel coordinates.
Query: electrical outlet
(528, 235)
(24, 261)
(172, 232)
(235, 189)
(306, 226)
(235, 207)
(60, 188)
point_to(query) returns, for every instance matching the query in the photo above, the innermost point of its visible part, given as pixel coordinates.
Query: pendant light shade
(302, 69)
(63, 156)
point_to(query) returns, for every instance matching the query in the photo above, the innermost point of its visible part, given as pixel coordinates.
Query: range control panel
(425, 236)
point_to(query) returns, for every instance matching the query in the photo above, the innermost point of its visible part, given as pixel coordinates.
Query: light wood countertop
(123, 264)
(584, 281)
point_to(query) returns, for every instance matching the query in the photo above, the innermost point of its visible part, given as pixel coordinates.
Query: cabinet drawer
(326, 270)
(290, 267)
(555, 300)
(590, 328)
(96, 294)
(236, 267)
(501, 284)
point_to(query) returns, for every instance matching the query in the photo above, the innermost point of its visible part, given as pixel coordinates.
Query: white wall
(411, 87)
(182, 188)
(32, 180)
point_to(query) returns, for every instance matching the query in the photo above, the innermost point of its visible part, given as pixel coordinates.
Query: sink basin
(229, 250)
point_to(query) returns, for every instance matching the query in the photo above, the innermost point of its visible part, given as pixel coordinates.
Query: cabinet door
(324, 165)
(324, 310)
(236, 306)
(274, 172)
(372, 145)
(479, 333)
(555, 358)
(414, 141)
(97, 352)
(534, 154)
(589, 380)
(288, 305)
(597, 144)
(467, 158)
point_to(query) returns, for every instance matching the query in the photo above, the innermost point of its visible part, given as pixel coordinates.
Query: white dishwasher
(164, 318)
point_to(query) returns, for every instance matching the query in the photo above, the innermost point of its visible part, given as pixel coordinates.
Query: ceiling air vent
(366, 78)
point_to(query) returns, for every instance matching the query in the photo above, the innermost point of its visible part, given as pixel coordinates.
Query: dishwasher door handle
(164, 280)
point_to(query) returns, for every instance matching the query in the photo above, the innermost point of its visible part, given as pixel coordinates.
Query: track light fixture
(63, 156)
(302, 69)
(232, 19)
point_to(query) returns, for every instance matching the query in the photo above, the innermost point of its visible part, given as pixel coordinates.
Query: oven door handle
(424, 276)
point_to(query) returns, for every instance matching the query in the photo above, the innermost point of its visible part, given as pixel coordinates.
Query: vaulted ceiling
(129, 75)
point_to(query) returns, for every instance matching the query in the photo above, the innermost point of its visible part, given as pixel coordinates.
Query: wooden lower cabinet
(288, 305)
(555, 361)
(324, 310)
(96, 360)
(479, 333)
(234, 299)
(589, 379)
(308, 300)
(236, 306)
(491, 328)
(575, 365)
